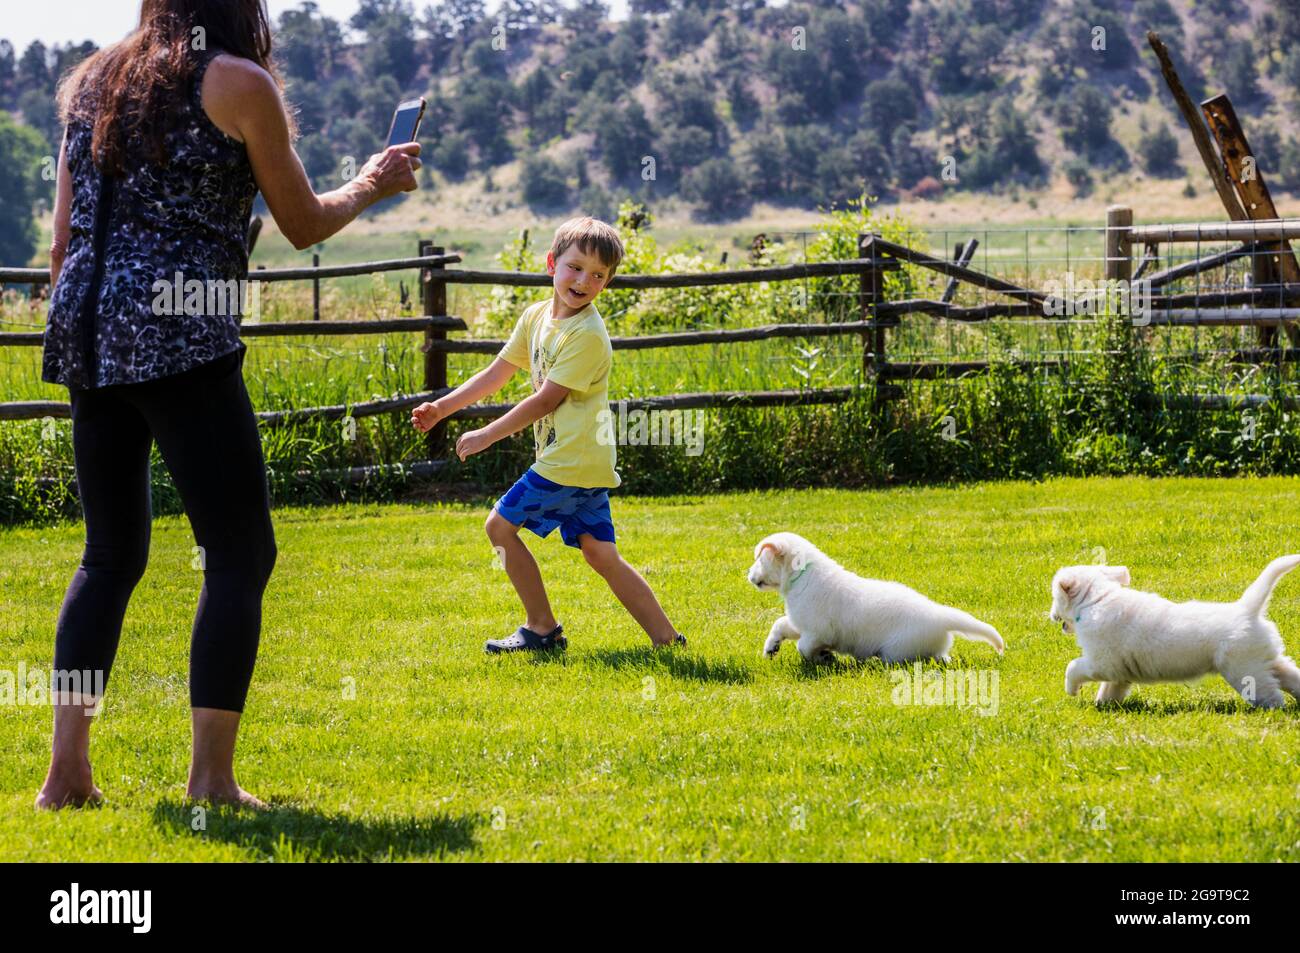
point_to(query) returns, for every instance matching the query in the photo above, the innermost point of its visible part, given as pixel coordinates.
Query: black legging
(207, 434)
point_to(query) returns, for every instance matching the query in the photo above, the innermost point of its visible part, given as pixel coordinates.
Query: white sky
(107, 21)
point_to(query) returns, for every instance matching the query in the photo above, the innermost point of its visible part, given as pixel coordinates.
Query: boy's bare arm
(522, 414)
(483, 384)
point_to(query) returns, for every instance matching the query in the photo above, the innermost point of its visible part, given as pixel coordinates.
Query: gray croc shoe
(526, 640)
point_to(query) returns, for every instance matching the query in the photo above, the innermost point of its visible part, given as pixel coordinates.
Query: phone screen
(406, 122)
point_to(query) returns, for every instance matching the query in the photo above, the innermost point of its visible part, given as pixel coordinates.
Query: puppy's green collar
(805, 568)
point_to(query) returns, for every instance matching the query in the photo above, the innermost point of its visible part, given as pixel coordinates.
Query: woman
(169, 136)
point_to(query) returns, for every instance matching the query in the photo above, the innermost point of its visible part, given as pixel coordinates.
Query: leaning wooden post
(435, 359)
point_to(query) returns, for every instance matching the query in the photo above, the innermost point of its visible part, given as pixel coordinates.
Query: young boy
(563, 343)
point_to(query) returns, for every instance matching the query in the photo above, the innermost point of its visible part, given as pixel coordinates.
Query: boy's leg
(524, 574)
(629, 587)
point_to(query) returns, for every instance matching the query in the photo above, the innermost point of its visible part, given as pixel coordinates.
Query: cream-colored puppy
(829, 609)
(1129, 636)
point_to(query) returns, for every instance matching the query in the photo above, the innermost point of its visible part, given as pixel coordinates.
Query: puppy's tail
(1255, 598)
(969, 627)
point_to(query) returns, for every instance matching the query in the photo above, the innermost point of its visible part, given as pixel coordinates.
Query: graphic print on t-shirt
(544, 429)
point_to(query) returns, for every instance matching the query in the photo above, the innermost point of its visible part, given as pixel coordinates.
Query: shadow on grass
(312, 835)
(1137, 705)
(679, 664)
(551, 657)
(830, 666)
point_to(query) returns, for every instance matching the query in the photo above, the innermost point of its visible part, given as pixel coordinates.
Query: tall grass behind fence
(1087, 394)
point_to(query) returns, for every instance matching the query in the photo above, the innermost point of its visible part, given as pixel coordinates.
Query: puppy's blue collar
(806, 567)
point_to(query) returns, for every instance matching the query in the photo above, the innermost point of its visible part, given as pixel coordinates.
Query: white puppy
(1129, 636)
(829, 609)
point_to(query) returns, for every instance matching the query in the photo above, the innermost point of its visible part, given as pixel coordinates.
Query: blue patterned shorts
(536, 503)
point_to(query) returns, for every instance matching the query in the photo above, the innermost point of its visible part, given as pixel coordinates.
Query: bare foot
(227, 794)
(75, 790)
(674, 639)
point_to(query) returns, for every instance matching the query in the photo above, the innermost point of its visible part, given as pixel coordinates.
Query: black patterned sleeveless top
(150, 281)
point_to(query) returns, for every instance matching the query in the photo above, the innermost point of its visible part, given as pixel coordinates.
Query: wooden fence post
(435, 361)
(1119, 247)
(870, 294)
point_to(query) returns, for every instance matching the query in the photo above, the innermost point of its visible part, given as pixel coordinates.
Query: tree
(34, 69)
(686, 29)
(684, 147)
(543, 183)
(39, 112)
(482, 112)
(308, 44)
(1079, 174)
(827, 68)
(886, 104)
(377, 101)
(597, 202)
(623, 137)
(8, 66)
(1084, 118)
(744, 104)
(1239, 73)
(1004, 148)
(1288, 171)
(910, 163)
(628, 50)
(21, 153)
(963, 53)
(717, 187)
(1158, 152)
(1266, 144)
(804, 146)
(390, 48)
(687, 98)
(584, 15)
(451, 156)
(762, 163)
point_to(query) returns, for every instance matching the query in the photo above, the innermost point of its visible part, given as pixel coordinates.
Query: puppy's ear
(798, 561)
(1117, 573)
(1070, 584)
(768, 544)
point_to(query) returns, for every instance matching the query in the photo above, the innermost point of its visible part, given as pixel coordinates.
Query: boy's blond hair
(593, 237)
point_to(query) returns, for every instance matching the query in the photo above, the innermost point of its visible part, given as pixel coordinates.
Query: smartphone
(406, 122)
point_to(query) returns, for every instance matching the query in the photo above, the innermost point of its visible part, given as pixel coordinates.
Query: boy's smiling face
(578, 278)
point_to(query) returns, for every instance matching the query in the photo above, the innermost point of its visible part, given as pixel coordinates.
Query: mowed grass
(713, 753)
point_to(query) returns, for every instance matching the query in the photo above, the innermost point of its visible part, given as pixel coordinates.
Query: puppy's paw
(771, 648)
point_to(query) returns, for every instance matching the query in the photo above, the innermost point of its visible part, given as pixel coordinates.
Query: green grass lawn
(615, 753)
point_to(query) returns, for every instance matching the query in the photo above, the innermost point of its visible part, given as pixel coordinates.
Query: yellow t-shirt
(575, 353)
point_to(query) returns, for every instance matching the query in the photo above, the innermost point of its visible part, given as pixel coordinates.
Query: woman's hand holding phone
(392, 171)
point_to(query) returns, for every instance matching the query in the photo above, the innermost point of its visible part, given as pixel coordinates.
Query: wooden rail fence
(1267, 305)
